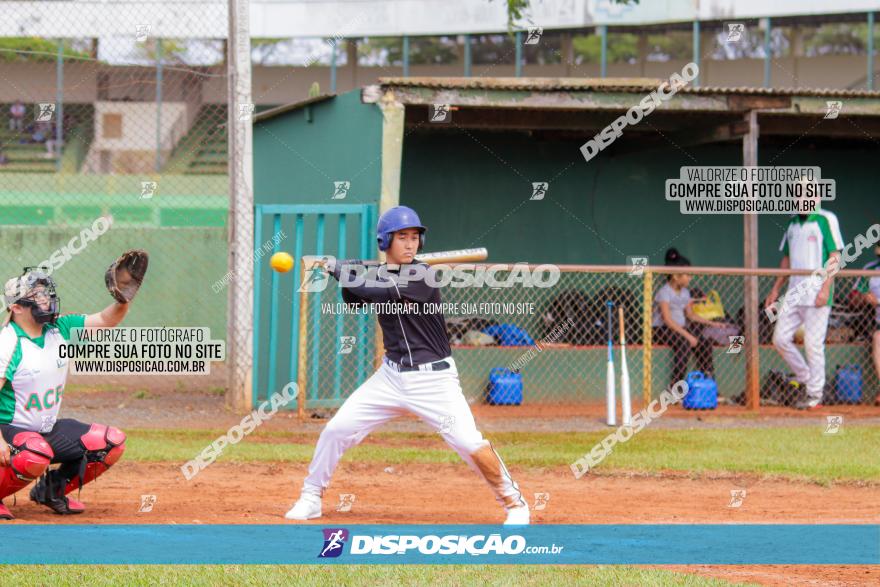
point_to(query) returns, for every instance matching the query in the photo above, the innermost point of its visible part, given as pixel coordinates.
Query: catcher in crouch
(32, 379)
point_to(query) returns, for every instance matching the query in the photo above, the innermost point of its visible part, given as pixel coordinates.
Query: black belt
(436, 366)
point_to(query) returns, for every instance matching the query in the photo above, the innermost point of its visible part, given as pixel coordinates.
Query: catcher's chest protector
(35, 378)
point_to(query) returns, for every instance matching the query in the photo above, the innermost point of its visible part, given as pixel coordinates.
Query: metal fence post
(379, 351)
(333, 66)
(337, 362)
(258, 267)
(59, 108)
(519, 54)
(240, 219)
(647, 350)
(316, 310)
(869, 82)
(696, 48)
(159, 81)
(768, 55)
(750, 261)
(273, 313)
(405, 56)
(362, 319)
(301, 378)
(467, 56)
(299, 272)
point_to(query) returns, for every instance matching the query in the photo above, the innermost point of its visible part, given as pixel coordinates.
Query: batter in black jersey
(414, 332)
(418, 374)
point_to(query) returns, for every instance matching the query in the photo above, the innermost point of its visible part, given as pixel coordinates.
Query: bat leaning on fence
(611, 400)
(625, 400)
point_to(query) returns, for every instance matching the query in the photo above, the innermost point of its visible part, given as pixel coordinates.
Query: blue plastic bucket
(702, 392)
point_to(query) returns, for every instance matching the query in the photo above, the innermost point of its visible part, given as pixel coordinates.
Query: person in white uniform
(418, 374)
(811, 241)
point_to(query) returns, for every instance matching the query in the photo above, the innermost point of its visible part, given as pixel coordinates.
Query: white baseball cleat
(518, 516)
(307, 507)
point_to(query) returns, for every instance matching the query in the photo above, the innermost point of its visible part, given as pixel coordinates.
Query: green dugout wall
(473, 189)
(302, 150)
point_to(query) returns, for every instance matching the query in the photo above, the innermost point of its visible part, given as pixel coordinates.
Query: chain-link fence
(128, 130)
(119, 130)
(554, 340)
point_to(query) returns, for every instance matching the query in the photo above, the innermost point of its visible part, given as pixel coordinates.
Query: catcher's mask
(36, 290)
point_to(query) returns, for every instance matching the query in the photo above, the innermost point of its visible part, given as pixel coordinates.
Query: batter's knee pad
(104, 446)
(31, 455)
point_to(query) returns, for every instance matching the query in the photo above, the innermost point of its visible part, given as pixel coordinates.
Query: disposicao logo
(334, 540)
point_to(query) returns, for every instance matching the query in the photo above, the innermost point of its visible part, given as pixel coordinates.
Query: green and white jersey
(808, 243)
(35, 373)
(870, 285)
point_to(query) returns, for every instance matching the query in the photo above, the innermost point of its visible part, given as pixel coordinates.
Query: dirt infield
(156, 402)
(450, 493)
(441, 494)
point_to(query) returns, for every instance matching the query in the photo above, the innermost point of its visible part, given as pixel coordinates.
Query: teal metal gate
(350, 230)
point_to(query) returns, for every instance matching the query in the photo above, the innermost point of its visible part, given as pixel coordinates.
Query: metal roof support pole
(642, 50)
(519, 53)
(333, 49)
(59, 107)
(158, 105)
(750, 261)
(351, 58)
(696, 44)
(603, 60)
(567, 52)
(392, 151)
(767, 53)
(796, 37)
(870, 81)
(405, 56)
(467, 56)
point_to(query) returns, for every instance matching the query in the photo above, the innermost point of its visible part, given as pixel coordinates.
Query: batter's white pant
(815, 322)
(433, 396)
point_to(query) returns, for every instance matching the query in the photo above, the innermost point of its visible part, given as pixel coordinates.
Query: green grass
(802, 453)
(483, 575)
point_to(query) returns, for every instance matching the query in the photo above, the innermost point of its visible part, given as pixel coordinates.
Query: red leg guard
(104, 446)
(31, 455)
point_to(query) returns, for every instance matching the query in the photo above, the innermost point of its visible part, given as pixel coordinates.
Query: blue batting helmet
(398, 218)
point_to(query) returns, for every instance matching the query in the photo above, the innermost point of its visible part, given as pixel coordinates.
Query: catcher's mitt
(125, 276)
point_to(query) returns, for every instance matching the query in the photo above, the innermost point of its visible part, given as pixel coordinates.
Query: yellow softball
(281, 262)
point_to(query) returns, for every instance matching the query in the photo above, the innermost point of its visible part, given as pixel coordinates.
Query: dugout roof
(576, 106)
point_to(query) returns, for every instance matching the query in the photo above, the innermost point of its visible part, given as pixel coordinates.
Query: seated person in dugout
(674, 322)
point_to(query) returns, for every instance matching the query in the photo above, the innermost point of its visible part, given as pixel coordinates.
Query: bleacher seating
(24, 156)
(203, 150)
